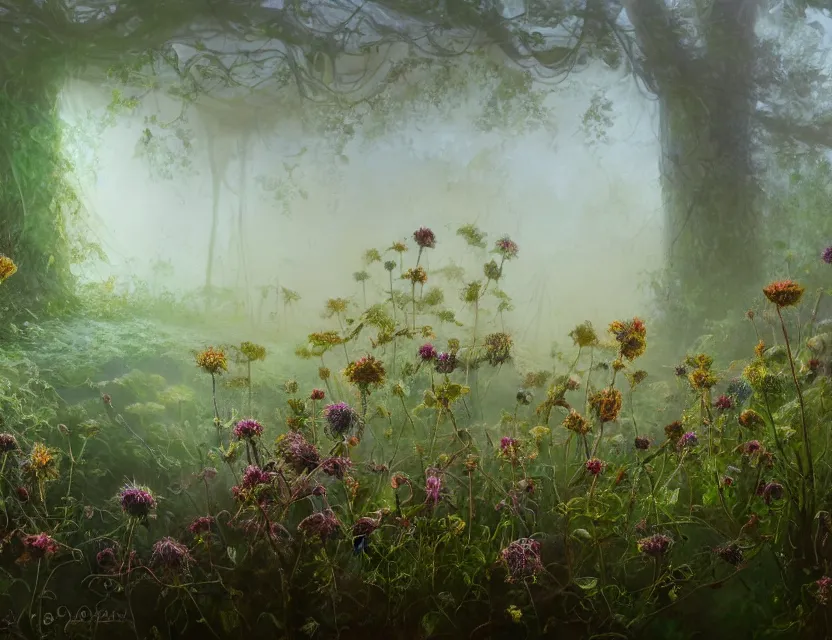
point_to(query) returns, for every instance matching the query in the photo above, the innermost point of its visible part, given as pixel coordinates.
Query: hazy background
(585, 212)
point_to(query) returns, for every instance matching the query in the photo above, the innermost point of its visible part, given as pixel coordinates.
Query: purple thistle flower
(445, 362)
(507, 248)
(247, 429)
(298, 452)
(522, 559)
(136, 502)
(40, 545)
(340, 418)
(826, 256)
(655, 545)
(433, 487)
(8, 443)
(427, 352)
(724, 402)
(322, 524)
(688, 439)
(751, 447)
(254, 476)
(507, 443)
(770, 491)
(202, 524)
(171, 555)
(336, 466)
(425, 238)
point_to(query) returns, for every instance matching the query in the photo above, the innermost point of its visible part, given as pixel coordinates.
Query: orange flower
(784, 293)
(212, 360)
(607, 404)
(7, 267)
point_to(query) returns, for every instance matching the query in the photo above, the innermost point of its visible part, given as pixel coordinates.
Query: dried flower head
(506, 248)
(254, 476)
(724, 403)
(371, 256)
(656, 545)
(674, 430)
(445, 363)
(366, 372)
(200, 525)
(631, 337)
(826, 255)
(317, 394)
(521, 559)
(524, 397)
(171, 555)
(361, 276)
(298, 452)
(41, 462)
(606, 404)
(398, 247)
(340, 418)
(253, 352)
(594, 466)
(642, 443)
(416, 275)
(336, 466)
(39, 546)
(8, 443)
(701, 379)
(424, 238)
(389, 265)
(576, 422)
(770, 491)
(784, 293)
(247, 429)
(212, 360)
(137, 502)
(322, 524)
(498, 348)
(584, 335)
(7, 268)
(324, 373)
(687, 440)
(752, 447)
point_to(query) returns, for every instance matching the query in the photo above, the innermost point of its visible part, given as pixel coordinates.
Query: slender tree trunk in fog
(216, 183)
(243, 149)
(711, 197)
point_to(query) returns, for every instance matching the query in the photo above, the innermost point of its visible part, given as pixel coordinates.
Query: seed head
(784, 293)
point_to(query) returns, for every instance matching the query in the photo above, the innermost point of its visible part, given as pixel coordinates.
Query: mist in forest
(585, 209)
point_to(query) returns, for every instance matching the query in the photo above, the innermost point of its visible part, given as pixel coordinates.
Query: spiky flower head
(687, 440)
(427, 352)
(247, 428)
(297, 451)
(361, 276)
(576, 423)
(212, 360)
(724, 402)
(371, 256)
(594, 466)
(674, 430)
(784, 293)
(445, 362)
(631, 336)
(137, 502)
(254, 476)
(826, 255)
(200, 525)
(389, 265)
(506, 248)
(340, 418)
(433, 488)
(366, 372)
(539, 432)
(584, 335)
(509, 448)
(750, 419)
(656, 545)
(521, 559)
(317, 394)
(41, 462)
(425, 238)
(701, 379)
(171, 555)
(398, 247)
(7, 268)
(770, 491)
(40, 545)
(336, 466)
(606, 404)
(8, 443)
(752, 447)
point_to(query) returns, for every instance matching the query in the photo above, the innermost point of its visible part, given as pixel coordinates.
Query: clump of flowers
(297, 451)
(497, 348)
(8, 443)
(416, 275)
(584, 335)
(539, 432)
(784, 293)
(506, 248)
(253, 352)
(336, 466)
(41, 463)
(137, 502)
(724, 402)
(317, 394)
(521, 559)
(510, 449)
(445, 362)
(687, 441)
(322, 524)
(606, 404)
(826, 255)
(594, 466)
(39, 546)
(247, 429)
(655, 545)
(254, 476)
(576, 423)
(212, 360)
(7, 268)
(631, 337)
(427, 352)
(366, 372)
(340, 419)
(424, 238)
(171, 555)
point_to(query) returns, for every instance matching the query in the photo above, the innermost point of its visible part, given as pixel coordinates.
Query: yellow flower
(7, 268)
(538, 433)
(515, 614)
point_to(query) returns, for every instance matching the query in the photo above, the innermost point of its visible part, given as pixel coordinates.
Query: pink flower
(247, 429)
(594, 466)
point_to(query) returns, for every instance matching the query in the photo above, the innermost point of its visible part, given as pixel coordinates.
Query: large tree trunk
(711, 197)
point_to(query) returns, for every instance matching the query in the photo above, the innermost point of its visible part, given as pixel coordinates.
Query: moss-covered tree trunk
(34, 194)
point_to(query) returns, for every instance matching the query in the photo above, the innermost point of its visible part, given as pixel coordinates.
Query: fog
(585, 213)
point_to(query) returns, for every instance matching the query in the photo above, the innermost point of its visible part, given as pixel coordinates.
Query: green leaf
(587, 584)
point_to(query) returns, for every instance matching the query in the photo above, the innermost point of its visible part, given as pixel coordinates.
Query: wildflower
(631, 337)
(212, 360)
(298, 452)
(291, 386)
(506, 248)
(7, 268)
(509, 449)
(433, 486)
(22, 494)
(317, 394)
(576, 423)
(322, 524)
(398, 247)
(515, 614)
(655, 545)
(336, 306)
(701, 379)
(770, 491)
(730, 553)
(253, 352)
(389, 265)
(323, 373)
(784, 293)
(136, 502)
(107, 560)
(425, 238)
(606, 404)
(171, 555)
(254, 476)
(340, 418)
(498, 348)
(535, 379)
(739, 389)
(687, 440)
(371, 256)
(521, 559)
(674, 430)
(826, 255)
(247, 429)
(8, 443)
(471, 292)
(40, 546)
(336, 466)
(539, 432)
(760, 349)
(324, 339)
(824, 585)
(427, 352)
(202, 524)
(492, 271)
(445, 362)
(642, 443)
(417, 275)
(752, 447)
(366, 372)
(727, 481)
(724, 403)
(594, 466)
(636, 378)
